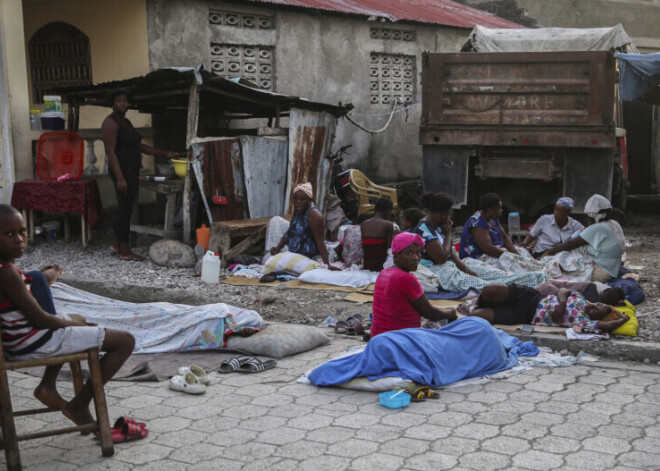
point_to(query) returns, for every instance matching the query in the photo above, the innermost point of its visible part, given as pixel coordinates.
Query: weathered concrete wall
(320, 56)
(15, 110)
(118, 48)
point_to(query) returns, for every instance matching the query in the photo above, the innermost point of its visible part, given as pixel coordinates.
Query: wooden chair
(10, 439)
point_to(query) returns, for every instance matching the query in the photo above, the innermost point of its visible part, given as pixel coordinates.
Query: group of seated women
(482, 239)
(506, 297)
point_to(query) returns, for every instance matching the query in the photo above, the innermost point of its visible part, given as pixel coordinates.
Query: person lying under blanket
(399, 299)
(511, 304)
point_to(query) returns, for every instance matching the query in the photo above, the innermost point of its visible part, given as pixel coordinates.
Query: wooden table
(223, 232)
(80, 196)
(170, 188)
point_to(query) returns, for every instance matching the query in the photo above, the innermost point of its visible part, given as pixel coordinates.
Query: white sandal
(187, 383)
(198, 371)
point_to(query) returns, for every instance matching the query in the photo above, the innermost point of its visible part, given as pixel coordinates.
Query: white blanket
(350, 278)
(157, 327)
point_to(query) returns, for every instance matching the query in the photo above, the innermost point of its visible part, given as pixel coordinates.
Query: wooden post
(191, 133)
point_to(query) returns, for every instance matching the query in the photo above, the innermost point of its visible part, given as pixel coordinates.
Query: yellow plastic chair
(369, 193)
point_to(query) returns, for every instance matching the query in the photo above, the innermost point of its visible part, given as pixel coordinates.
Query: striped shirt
(604, 247)
(18, 335)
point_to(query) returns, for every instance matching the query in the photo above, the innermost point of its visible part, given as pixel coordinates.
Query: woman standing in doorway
(123, 146)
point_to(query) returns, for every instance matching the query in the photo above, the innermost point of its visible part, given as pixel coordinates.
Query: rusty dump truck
(530, 126)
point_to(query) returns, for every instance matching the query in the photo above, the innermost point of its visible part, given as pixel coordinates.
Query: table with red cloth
(80, 196)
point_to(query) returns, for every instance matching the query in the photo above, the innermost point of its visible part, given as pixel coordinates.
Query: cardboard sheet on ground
(365, 297)
(368, 298)
(242, 281)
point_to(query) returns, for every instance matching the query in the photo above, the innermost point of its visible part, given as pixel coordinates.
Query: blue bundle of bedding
(467, 348)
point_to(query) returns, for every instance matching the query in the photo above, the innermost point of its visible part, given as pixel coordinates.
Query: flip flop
(254, 365)
(343, 327)
(128, 433)
(229, 366)
(121, 421)
(358, 329)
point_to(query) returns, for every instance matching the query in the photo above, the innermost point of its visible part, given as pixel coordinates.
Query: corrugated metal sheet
(311, 134)
(444, 12)
(265, 168)
(223, 175)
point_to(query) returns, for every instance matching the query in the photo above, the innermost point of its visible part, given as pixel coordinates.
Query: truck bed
(555, 99)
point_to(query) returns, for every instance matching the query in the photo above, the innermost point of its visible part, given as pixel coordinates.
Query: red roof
(444, 12)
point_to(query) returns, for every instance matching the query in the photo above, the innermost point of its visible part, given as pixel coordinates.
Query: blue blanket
(467, 348)
(631, 288)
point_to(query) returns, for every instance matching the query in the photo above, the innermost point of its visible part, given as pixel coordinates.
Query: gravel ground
(98, 271)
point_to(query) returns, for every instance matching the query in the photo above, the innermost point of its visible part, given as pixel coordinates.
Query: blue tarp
(638, 74)
(467, 348)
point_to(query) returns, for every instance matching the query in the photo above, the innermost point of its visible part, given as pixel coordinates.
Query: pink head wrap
(404, 239)
(305, 188)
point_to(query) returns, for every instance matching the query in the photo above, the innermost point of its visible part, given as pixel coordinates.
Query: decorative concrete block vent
(254, 63)
(393, 34)
(392, 76)
(240, 20)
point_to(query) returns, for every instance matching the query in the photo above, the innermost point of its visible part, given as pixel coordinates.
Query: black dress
(128, 153)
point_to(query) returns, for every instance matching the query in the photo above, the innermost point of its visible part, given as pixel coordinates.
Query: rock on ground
(172, 253)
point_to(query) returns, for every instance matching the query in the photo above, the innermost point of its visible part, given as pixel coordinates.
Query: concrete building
(324, 51)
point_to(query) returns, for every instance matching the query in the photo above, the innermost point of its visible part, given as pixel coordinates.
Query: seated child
(31, 329)
(512, 304)
(399, 300)
(377, 233)
(411, 218)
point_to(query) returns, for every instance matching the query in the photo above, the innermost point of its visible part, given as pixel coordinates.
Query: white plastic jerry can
(211, 267)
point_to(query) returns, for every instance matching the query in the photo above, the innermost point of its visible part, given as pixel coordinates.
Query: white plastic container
(52, 103)
(211, 267)
(35, 120)
(514, 223)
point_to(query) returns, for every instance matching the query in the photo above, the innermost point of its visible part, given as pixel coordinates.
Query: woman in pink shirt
(399, 300)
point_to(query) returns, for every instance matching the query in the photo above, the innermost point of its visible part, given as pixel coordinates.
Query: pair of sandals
(191, 379)
(419, 393)
(131, 256)
(245, 365)
(351, 326)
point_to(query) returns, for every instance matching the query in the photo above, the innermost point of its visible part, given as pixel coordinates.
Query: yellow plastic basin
(180, 167)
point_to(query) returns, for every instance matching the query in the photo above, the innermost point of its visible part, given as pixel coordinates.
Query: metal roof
(168, 90)
(444, 12)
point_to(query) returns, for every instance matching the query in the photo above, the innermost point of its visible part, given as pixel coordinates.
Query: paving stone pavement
(593, 416)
